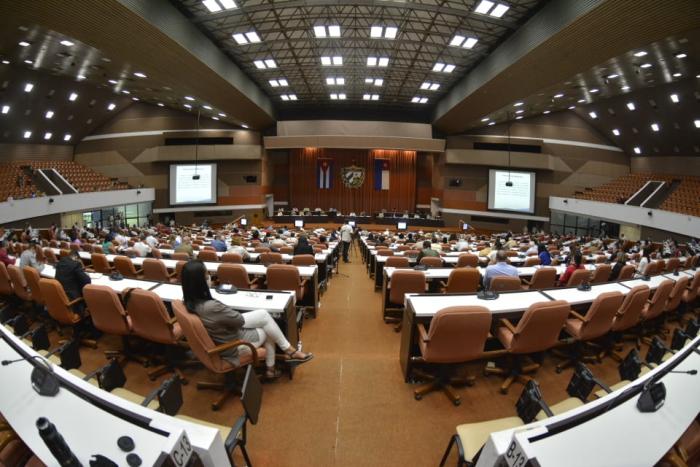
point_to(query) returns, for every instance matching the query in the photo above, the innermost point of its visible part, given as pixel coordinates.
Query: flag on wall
(325, 174)
(381, 174)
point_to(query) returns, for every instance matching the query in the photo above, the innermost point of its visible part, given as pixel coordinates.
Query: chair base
(445, 386)
(514, 374)
(576, 355)
(226, 392)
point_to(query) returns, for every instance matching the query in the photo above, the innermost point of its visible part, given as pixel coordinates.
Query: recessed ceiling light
(681, 55)
(645, 65)
(593, 115)
(484, 7)
(389, 33)
(366, 97)
(625, 88)
(125, 91)
(438, 66)
(697, 123)
(24, 44)
(675, 99)
(27, 134)
(253, 37)
(28, 87)
(221, 114)
(500, 10)
(215, 118)
(616, 132)
(434, 86)
(641, 53)
(48, 135)
(189, 98)
(637, 150)
(284, 97)
(492, 123)
(557, 96)
(270, 63)
(321, 31)
(457, 41)
(519, 111)
(377, 32)
(5, 109)
(677, 75)
(546, 112)
(571, 107)
(655, 126)
(213, 6)
(138, 74)
(519, 117)
(378, 81)
(383, 61)
(73, 96)
(67, 137)
(5, 62)
(631, 106)
(67, 43)
(518, 104)
(160, 104)
(135, 99)
(208, 107)
(49, 114)
(111, 106)
(274, 83)
(485, 119)
(581, 101)
(613, 76)
(243, 125)
(463, 41)
(449, 68)
(112, 81)
(187, 106)
(80, 77)
(28, 62)
(594, 90)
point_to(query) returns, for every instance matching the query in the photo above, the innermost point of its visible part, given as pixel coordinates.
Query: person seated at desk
(303, 246)
(510, 242)
(4, 256)
(644, 261)
(225, 324)
(276, 243)
(405, 215)
(318, 210)
(219, 244)
(416, 216)
(295, 211)
(380, 215)
(237, 248)
(71, 274)
(576, 263)
(141, 248)
(532, 249)
(107, 243)
(28, 256)
(501, 268)
(185, 247)
(280, 212)
(620, 262)
(545, 258)
(427, 251)
(352, 214)
(306, 211)
(151, 240)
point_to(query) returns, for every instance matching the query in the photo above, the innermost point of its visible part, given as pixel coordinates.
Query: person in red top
(4, 257)
(576, 263)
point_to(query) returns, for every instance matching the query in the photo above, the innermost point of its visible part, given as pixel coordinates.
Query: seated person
(107, 243)
(280, 212)
(545, 258)
(318, 210)
(427, 251)
(141, 248)
(532, 249)
(501, 268)
(405, 214)
(219, 244)
(185, 247)
(4, 256)
(303, 246)
(276, 243)
(237, 248)
(620, 262)
(28, 256)
(225, 324)
(352, 214)
(576, 263)
(416, 216)
(306, 211)
(381, 214)
(151, 240)
(71, 274)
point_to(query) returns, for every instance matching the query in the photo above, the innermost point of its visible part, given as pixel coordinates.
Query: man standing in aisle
(346, 238)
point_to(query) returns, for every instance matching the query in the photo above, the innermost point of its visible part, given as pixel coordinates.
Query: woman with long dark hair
(303, 246)
(225, 324)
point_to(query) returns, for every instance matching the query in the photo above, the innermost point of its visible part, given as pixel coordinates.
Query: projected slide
(190, 184)
(512, 191)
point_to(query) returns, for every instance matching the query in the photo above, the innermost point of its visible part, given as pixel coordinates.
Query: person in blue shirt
(219, 244)
(545, 258)
(501, 268)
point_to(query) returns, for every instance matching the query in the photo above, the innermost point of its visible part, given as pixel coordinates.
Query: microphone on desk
(44, 380)
(688, 372)
(56, 444)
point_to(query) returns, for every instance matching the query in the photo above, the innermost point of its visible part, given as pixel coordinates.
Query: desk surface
(242, 300)
(575, 296)
(429, 304)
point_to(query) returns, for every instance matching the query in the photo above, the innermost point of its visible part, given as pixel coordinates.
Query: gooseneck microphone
(56, 444)
(688, 372)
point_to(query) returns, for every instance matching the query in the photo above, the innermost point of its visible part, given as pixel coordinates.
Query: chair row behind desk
(422, 307)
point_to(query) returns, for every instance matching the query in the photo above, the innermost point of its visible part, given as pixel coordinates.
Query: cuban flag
(381, 174)
(325, 179)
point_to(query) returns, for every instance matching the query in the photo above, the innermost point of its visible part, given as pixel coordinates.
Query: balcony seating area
(686, 198)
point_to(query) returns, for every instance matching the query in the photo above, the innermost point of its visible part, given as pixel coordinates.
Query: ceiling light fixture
(681, 55)
(641, 53)
(593, 115)
(631, 106)
(463, 41)
(557, 96)
(49, 114)
(674, 98)
(637, 150)
(73, 96)
(67, 137)
(5, 109)
(27, 134)
(616, 132)
(243, 38)
(24, 44)
(48, 135)
(645, 65)
(655, 126)
(28, 87)
(321, 31)
(67, 43)
(111, 106)
(215, 6)
(546, 112)
(486, 7)
(138, 74)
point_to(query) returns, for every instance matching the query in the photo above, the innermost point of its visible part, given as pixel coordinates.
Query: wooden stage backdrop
(304, 188)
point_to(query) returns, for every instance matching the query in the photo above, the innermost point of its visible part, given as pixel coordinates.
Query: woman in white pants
(225, 324)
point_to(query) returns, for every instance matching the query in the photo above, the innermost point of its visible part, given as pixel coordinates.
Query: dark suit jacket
(300, 250)
(72, 277)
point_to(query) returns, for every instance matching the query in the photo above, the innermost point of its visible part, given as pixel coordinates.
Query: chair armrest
(232, 344)
(443, 284)
(172, 321)
(508, 324)
(576, 315)
(172, 274)
(139, 271)
(73, 302)
(422, 333)
(526, 282)
(303, 283)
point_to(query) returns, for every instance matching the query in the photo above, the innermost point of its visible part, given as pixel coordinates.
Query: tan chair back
(180, 256)
(532, 261)
(303, 260)
(207, 255)
(125, 267)
(463, 280)
(431, 261)
(601, 274)
(50, 256)
(33, 277)
(155, 270)
(262, 249)
(457, 334)
(691, 292)
(599, 317)
(400, 262)
(539, 327)
(628, 314)
(271, 258)
(235, 274)
(505, 284)
(627, 272)
(579, 277)
(178, 270)
(100, 263)
(155, 252)
(672, 264)
(466, 259)
(106, 310)
(658, 300)
(286, 250)
(231, 258)
(57, 302)
(676, 295)
(405, 281)
(285, 277)
(544, 278)
(6, 288)
(150, 319)
(21, 289)
(385, 252)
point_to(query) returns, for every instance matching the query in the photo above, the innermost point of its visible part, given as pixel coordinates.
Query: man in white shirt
(141, 248)
(346, 238)
(151, 240)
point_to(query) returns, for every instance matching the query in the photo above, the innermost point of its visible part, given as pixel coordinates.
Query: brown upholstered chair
(180, 256)
(231, 258)
(579, 277)
(601, 274)
(271, 258)
(505, 284)
(691, 293)
(262, 249)
(456, 335)
(155, 252)
(18, 285)
(178, 270)
(466, 259)
(431, 261)
(286, 277)
(654, 308)
(32, 278)
(108, 315)
(207, 255)
(626, 317)
(6, 287)
(385, 252)
(462, 280)
(543, 278)
(155, 270)
(532, 261)
(672, 264)
(403, 281)
(100, 264)
(236, 275)
(397, 262)
(627, 272)
(303, 260)
(537, 331)
(60, 309)
(126, 267)
(150, 321)
(286, 250)
(209, 353)
(50, 256)
(597, 322)
(675, 298)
